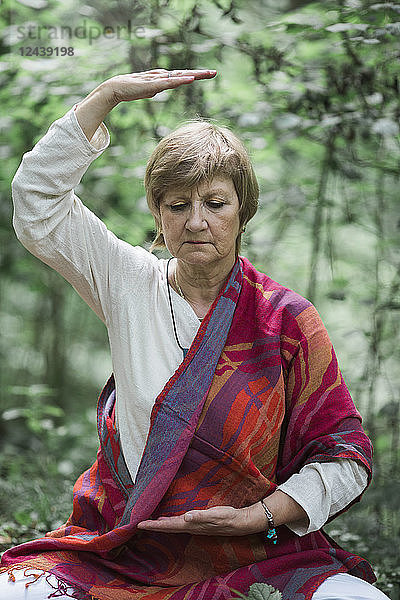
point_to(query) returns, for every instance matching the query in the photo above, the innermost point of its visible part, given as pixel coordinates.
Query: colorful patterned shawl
(258, 396)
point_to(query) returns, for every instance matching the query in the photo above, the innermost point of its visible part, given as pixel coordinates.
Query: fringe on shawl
(62, 588)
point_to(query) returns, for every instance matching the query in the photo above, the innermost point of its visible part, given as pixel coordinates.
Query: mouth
(196, 243)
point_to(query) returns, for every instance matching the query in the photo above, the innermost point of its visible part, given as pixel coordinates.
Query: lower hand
(218, 520)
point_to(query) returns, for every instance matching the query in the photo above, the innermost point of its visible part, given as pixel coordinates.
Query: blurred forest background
(313, 89)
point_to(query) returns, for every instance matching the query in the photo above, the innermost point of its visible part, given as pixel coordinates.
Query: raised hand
(132, 86)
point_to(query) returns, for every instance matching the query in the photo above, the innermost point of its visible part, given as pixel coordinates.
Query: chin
(198, 256)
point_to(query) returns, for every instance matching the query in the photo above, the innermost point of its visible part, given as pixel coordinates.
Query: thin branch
(377, 316)
(318, 218)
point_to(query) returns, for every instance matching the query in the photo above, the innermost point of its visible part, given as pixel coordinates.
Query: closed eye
(181, 206)
(215, 204)
(178, 207)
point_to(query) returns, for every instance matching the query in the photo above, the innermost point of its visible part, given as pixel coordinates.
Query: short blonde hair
(198, 151)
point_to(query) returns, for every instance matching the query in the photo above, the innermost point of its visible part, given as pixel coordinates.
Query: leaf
(385, 127)
(23, 518)
(263, 591)
(12, 413)
(374, 99)
(393, 28)
(260, 591)
(53, 411)
(303, 20)
(354, 4)
(35, 390)
(37, 4)
(148, 32)
(247, 119)
(385, 6)
(339, 27)
(287, 121)
(330, 120)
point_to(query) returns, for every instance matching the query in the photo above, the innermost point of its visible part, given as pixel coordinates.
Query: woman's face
(200, 225)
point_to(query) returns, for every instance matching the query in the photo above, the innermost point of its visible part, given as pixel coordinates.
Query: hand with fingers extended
(230, 521)
(135, 86)
(218, 520)
(132, 86)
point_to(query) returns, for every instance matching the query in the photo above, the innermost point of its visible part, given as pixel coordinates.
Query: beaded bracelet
(271, 531)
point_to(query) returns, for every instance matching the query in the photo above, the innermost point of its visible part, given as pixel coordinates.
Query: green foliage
(314, 92)
(260, 591)
(36, 414)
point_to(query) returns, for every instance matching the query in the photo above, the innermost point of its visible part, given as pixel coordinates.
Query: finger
(166, 528)
(215, 513)
(196, 73)
(169, 529)
(196, 516)
(179, 80)
(157, 71)
(163, 523)
(208, 517)
(171, 82)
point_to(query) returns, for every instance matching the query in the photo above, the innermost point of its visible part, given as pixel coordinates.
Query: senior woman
(227, 435)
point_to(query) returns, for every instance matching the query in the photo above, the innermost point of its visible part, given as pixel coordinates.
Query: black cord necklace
(184, 350)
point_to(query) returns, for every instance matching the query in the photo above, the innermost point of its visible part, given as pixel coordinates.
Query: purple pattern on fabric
(259, 425)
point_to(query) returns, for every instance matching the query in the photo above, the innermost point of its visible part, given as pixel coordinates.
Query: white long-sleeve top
(126, 287)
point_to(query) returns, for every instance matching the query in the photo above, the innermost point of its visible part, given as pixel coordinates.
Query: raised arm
(49, 218)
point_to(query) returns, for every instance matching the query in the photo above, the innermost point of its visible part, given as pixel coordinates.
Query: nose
(196, 220)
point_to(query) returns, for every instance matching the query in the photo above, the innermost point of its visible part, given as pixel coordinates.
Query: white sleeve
(324, 489)
(51, 221)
